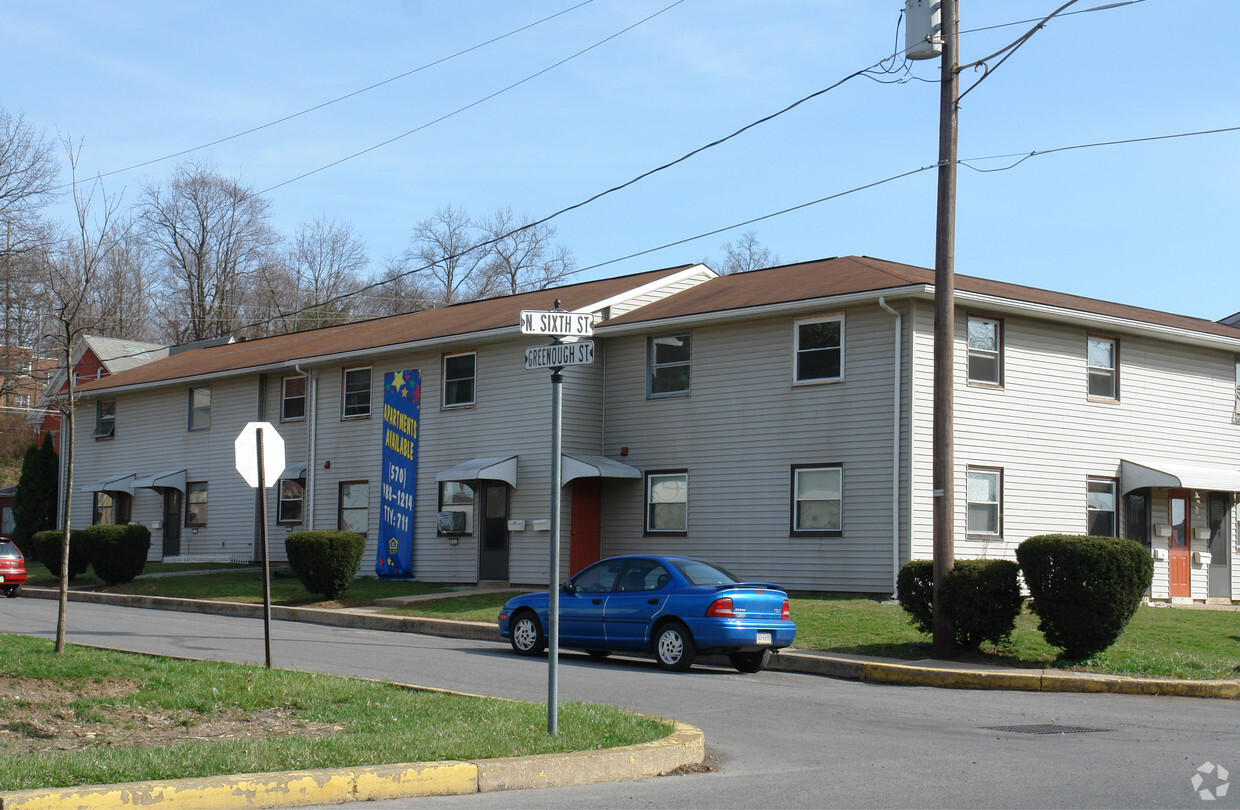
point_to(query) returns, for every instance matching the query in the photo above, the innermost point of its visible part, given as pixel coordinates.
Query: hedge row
(117, 552)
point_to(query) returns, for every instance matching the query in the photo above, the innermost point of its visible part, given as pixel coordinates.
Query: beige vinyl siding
(738, 434)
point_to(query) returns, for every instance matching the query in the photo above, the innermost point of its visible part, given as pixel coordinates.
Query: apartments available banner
(402, 397)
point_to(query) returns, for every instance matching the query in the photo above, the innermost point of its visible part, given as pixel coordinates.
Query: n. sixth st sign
(564, 324)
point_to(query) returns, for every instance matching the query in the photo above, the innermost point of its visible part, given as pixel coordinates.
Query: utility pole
(944, 640)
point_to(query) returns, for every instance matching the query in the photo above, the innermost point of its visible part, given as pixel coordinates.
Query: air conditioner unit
(451, 522)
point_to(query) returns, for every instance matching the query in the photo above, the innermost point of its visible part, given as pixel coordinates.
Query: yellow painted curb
(950, 678)
(684, 746)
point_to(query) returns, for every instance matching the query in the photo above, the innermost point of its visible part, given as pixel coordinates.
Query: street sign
(560, 324)
(554, 355)
(246, 448)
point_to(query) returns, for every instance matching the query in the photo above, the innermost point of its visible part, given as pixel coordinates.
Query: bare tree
(28, 168)
(328, 261)
(748, 254)
(397, 291)
(523, 257)
(211, 234)
(447, 260)
(71, 270)
(120, 302)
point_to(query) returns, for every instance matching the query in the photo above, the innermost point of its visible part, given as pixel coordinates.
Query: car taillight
(720, 608)
(785, 613)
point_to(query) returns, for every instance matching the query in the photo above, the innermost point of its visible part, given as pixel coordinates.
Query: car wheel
(598, 655)
(527, 634)
(750, 661)
(674, 648)
(12, 591)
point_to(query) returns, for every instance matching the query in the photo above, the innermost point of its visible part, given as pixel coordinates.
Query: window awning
(115, 483)
(294, 471)
(170, 479)
(495, 468)
(579, 466)
(1174, 475)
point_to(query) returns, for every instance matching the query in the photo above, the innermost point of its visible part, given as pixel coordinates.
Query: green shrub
(1085, 589)
(981, 596)
(325, 561)
(118, 552)
(45, 547)
(915, 591)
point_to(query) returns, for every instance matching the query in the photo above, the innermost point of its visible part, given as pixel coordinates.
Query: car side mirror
(568, 587)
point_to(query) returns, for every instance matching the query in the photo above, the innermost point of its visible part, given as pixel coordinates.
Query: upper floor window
(820, 349)
(985, 350)
(292, 495)
(196, 503)
(817, 499)
(1103, 367)
(667, 502)
(293, 399)
(667, 363)
(1100, 507)
(105, 419)
(984, 494)
(354, 511)
(356, 392)
(200, 408)
(459, 376)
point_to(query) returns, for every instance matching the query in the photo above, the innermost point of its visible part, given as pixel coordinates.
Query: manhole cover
(1043, 728)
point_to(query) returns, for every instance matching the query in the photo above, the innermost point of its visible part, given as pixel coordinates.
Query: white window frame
(1094, 372)
(199, 414)
(459, 496)
(473, 378)
(1099, 486)
(800, 470)
(284, 500)
(653, 366)
(105, 424)
(994, 527)
(343, 512)
(199, 506)
(286, 398)
(994, 355)
(797, 351)
(360, 411)
(667, 495)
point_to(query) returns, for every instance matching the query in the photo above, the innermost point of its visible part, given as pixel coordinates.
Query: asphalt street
(774, 739)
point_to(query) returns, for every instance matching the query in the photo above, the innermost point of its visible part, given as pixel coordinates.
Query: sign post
(260, 460)
(555, 356)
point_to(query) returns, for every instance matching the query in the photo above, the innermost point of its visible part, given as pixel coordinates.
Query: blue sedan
(671, 607)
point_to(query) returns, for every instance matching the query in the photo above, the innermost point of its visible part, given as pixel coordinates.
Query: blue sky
(1151, 224)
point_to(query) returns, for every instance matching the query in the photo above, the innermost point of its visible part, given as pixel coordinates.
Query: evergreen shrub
(117, 552)
(1084, 589)
(45, 547)
(915, 591)
(982, 597)
(325, 561)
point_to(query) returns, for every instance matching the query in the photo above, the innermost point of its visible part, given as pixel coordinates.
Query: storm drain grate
(1044, 728)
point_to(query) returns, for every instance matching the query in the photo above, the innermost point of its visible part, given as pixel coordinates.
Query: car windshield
(7, 549)
(703, 573)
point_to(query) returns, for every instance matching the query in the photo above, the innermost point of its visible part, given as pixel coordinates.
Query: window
(817, 499)
(111, 507)
(985, 350)
(293, 400)
(984, 493)
(820, 349)
(667, 361)
(1100, 507)
(356, 392)
(458, 379)
(1103, 367)
(458, 496)
(354, 513)
(196, 504)
(200, 408)
(292, 495)
(105, 419)
(667, 502)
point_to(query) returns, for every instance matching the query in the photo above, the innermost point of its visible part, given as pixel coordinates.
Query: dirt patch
(40, 716)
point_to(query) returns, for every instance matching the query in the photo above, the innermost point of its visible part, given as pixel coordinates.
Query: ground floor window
(111, 507)
(984, 495)
(196, 503)
(1100, 507)
(667, 501)
(817, 499)
(292, 495)
(1137, 516)
(354, 513)
(456, 507)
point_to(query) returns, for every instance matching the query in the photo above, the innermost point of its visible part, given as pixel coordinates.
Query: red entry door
(1178, 551)
(586, 524)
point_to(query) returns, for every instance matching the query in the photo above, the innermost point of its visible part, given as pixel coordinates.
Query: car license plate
(763, 638)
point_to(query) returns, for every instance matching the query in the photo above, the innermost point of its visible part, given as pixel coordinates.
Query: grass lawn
(97, 717)
(1158, 642)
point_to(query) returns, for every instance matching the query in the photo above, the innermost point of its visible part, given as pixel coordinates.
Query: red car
(12, 568)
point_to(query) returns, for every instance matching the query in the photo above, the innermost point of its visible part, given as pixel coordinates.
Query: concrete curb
(684, 746)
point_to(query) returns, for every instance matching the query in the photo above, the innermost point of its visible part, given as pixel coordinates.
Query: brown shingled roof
(846, 275)
(444, 322)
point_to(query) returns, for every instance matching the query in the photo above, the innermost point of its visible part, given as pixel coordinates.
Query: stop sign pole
(268, 448)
